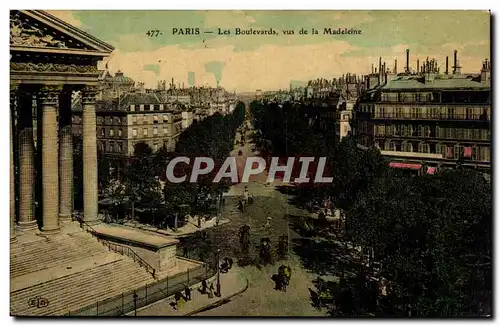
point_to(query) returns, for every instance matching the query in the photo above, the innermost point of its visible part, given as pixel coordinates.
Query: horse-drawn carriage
(282, 279)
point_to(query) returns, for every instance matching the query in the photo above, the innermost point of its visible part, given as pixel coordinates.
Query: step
(105, 282)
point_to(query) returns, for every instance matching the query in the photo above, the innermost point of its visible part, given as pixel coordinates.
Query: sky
(249, 62)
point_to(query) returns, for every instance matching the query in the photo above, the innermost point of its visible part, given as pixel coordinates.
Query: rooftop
(442, 81)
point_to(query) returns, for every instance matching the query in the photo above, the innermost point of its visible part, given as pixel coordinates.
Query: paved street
(260, 299)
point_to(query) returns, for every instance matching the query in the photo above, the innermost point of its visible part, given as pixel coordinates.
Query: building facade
(430, 118)
(133, 119)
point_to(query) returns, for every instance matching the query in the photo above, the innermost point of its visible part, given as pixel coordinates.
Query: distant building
(114, 86)
(427, 118)
(134, 118)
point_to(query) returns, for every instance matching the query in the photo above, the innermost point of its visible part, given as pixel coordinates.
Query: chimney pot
(407, 68)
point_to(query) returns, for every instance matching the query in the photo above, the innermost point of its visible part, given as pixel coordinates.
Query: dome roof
(119, 78)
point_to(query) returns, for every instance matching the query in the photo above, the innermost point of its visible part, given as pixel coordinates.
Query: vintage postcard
(250, 163)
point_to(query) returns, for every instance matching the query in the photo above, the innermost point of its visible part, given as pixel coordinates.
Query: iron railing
(118, 248)
(134, 299)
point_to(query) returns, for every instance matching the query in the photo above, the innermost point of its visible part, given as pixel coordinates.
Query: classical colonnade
(55, 154)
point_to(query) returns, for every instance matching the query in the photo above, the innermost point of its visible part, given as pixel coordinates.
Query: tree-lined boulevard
(372, 243)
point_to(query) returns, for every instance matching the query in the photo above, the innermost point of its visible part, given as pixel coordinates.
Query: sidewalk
(232, 283)
(189, 228)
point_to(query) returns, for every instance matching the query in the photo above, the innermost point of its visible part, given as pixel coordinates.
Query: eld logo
(38, 302)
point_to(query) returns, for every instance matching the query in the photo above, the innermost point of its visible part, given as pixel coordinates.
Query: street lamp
(217, 289)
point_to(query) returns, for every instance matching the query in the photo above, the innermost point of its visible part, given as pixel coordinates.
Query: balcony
(429, 116)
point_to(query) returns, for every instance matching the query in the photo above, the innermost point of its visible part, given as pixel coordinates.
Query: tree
(442, 225)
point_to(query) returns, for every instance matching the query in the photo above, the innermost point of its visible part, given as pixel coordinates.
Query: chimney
(446, 71)
(407, 68)
(418, 66)
(380, 65)
(372, 69)
(395, 66)
(455, 63)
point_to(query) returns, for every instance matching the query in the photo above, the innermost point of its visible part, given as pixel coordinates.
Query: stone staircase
(80, 289)
(71, 271)
(46, 253)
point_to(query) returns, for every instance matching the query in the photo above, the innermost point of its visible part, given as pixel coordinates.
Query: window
(427, 131)
(161, 107)
(406, 147)
(387, 145)
(119, 132)
(132, 107)
(438, 132)
(423, 148)
(449, 133)
(165, 118)
(458, 152)
(151, 107)
(155, 119)
(451, 113)
(141, 107)
(120, 147)
(434, 113)
(165, 130)
(484, 134)
(145, 119)
(111, 132)
(441, 149)
(111, 146)
(399, 112)
(101, 146)
(103, 132)
(475, 153)
(420, 132)
(155, 147)
(134, 119)
(145, 131)
(414, 113)
(486, 154)
(417, 97)
(134, 132)
(155, 131)
(392, 146)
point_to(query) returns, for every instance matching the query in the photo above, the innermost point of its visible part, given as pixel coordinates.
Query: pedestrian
(177, 297)
(230, 262)
(203, 289)
(187, 292)
(211, 291)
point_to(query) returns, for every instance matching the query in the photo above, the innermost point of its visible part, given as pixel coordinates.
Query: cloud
(250, 62)
(67, 16)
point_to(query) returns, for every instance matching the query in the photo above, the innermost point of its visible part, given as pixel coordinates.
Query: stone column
(27, 177)
(26, 162)
(13, 98)
(49, 96)
(90, 186)
(65, 158)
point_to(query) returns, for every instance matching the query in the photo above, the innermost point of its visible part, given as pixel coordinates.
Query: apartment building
(427, 120)
(133, 118)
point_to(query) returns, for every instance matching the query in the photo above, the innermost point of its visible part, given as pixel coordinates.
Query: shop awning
(411, 166)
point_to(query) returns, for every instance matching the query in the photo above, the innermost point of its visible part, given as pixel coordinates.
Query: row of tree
(430, 235)
(136, 186)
